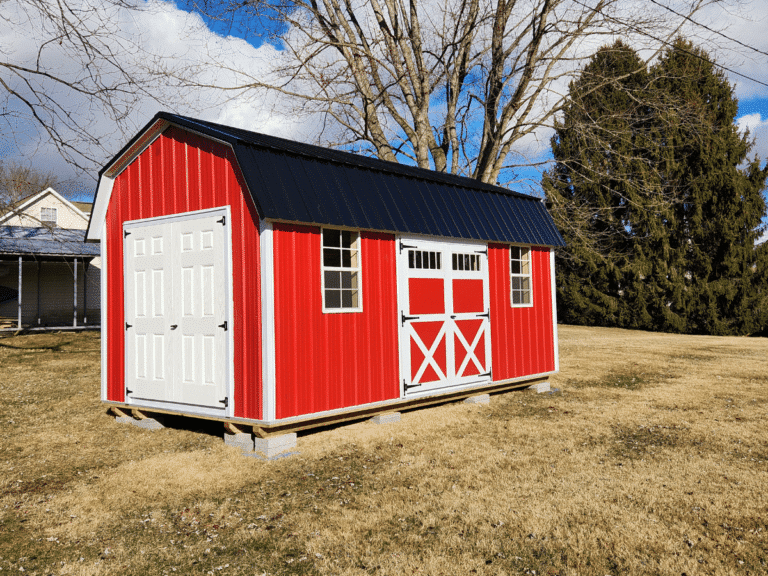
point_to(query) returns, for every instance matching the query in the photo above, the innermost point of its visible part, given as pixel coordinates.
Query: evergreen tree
(660, 219)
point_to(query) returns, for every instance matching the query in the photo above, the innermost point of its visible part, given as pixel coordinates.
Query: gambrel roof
(295, 182)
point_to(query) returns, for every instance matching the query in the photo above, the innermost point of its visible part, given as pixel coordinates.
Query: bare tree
(18, 182)
(463, 86)
(37, 83)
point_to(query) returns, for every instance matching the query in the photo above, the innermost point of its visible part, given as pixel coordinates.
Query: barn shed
(273, 284)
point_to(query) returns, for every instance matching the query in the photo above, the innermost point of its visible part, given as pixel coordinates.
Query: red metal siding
(522, 340)
(329, 361)
(181, 172)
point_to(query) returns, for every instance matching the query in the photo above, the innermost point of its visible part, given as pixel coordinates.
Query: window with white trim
(48, 216)
(341, 271)
(520, 276)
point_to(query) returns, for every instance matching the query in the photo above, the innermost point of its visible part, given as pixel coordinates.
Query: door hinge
(223, 221)
(484, 315)
(482, 251)
(486, 374)
(125, 233)
(405, 246)
(406, 386)
(403, 318)
(127, 391)
(174, 326)
(224, 325)
(225, 402)
(128, 325)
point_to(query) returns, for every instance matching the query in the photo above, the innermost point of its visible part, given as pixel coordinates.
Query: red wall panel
(522, 339)
(336, 360)
(181, 172)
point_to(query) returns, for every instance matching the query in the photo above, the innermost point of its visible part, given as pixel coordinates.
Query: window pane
(331, 257)
(332, 280)
(348, 239)
(514, 252)
(439, 264)
(526, 297)
(516, 285)
(354, 262)
(418, 259)
(349, 298)
(516, 298)
(515, 267)
(526, 264)
(433, 260)
(331, 237)
(332, 299)
(455, 262)
(346, 259)
(348, 279)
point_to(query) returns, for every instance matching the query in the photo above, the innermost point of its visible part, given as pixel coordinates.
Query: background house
(49, 277)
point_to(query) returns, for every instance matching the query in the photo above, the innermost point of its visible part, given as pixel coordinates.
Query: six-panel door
(177, 345)
(444, 314)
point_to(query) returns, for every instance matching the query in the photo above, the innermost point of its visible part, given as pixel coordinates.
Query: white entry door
(444, 314)
(177, 345)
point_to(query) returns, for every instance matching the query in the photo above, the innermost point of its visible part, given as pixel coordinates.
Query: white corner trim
(96, 227)
(554, 308)
(104, 325)
(267, 266)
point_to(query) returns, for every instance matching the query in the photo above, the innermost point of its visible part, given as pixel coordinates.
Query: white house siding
(66, 217)
(56, 293)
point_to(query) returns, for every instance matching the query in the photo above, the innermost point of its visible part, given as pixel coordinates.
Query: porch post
(74, 320)
(86, 263)
(19, 318)
(38, 292)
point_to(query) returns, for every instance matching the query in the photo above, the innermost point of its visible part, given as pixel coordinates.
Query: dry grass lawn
(652, 458)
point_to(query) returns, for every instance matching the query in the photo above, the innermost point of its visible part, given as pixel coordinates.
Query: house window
(520, 275)
(341, 271)
(48, 216)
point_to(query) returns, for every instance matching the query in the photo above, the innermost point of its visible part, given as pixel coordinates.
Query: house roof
(296, 182)
(25, 240)
(20, 206)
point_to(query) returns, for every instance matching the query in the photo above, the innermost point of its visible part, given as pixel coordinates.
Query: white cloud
(157, 32)
(758, 129)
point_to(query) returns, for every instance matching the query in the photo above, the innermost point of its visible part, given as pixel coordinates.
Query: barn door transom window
(444, 319)
(341, 282)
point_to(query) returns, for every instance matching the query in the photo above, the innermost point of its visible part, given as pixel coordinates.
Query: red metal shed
(261, 281)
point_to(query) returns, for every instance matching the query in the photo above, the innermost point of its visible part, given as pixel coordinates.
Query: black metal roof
(25, 240)
(296, 182)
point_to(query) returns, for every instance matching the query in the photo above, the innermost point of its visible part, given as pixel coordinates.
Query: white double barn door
(444, 314)
(177, 345)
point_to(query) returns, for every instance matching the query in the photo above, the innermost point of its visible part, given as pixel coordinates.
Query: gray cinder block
(388, 418)
(481, 399)
(242, 440)
(149, 424)
(274, 446)
(540, 387)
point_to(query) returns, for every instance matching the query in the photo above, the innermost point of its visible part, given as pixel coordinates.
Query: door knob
(174, 326)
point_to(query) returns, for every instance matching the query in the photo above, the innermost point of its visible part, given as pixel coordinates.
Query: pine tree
(719, 205)
(601, 190)
(660, 219)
